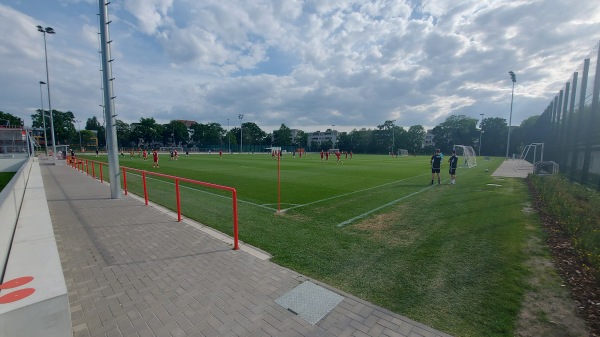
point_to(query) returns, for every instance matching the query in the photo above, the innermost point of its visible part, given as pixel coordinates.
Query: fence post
(101, 175)
(178, 199)
(125, 180)
(87, 167)
(235, 220)
(94, 170)
(145, 188)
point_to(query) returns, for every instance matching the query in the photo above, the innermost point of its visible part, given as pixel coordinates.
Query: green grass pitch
(448, 256)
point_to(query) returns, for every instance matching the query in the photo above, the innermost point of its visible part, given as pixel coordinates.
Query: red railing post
(93, 169)
(125, 180)
(178, 199)
(177, 190)
(235, 220)
(145, 187)
(87, 168)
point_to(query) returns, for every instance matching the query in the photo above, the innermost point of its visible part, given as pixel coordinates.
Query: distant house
(321, 137)
(428, 139)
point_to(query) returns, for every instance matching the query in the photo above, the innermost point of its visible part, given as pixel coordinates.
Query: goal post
(333, 151)
(467, 154)
(403, 152)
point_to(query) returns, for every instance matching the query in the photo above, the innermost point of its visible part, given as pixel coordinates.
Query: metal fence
(570, 125)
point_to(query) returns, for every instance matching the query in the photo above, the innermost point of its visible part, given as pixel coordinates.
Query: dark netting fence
(570, 125)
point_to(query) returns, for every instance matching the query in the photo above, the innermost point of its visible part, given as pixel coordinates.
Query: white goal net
(466, 154)
(403, 153)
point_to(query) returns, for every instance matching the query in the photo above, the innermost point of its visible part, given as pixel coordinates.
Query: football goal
(333, 151)
(403, 152)
(179, 149)
(467, 154)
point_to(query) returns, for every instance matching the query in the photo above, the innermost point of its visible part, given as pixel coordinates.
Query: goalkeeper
(436, 165)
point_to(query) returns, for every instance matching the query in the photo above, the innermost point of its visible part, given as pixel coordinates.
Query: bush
(577, 210)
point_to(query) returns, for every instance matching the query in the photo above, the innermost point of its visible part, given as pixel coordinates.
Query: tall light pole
(44, 118)
(332, 143)
(480, 133)
(79, 126)
(393, 136)
(241, 116)
(49, 30)
(512, 95)
(228, 138)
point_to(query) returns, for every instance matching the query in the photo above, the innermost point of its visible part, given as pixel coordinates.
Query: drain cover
(310, 301)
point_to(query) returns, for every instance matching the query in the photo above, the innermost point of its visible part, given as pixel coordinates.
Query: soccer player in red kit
(220, 153)
(321, 155)
(155, 158)
(145, 154)
(326, 155)
(337, 154)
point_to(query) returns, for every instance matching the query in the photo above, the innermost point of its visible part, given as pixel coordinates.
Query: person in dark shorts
(453, 164)
(436, 165)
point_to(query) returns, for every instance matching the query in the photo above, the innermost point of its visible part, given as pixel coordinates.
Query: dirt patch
(386, 228)
(548, 308)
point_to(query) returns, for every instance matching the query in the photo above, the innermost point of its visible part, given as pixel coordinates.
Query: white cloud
(319, 62)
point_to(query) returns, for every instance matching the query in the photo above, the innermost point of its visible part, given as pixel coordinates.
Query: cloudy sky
(309, 64)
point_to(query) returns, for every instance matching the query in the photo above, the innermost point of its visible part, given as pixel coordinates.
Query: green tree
(145, 132)
(493, 136)
(64, 126)
(283, 136)
(301, 139)
(208, 134)
(93, 124)
(123, 134)
(181, 135)
(456, 130)
(253, 134)
(414, 138)
(7, 119)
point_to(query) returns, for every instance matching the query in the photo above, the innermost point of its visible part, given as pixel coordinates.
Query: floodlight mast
(44, 118)
(514, 79)
(44, 31)
(109, 114)
(241, 116)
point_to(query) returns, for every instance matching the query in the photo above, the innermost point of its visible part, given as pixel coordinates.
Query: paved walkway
(513, 169)
(132, 270)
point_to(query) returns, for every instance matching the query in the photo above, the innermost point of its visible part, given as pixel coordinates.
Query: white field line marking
(360, 216)
(353, 192)
(210, 193)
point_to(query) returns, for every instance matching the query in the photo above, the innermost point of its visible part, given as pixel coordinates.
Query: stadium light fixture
(512, 95)
(241, 116)
(44, 31)
(44, 118)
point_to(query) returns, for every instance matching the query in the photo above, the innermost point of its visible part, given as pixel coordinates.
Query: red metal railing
(83, 165)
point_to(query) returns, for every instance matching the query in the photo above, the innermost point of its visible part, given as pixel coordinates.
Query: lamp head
(42, 82)
(40, 29)
(50, 30)
(513, 77)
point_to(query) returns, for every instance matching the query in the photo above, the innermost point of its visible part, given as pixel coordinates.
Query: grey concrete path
(513, 169)
(132, 270)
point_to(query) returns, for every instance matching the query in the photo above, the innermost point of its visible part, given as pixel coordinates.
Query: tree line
(387, 137)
